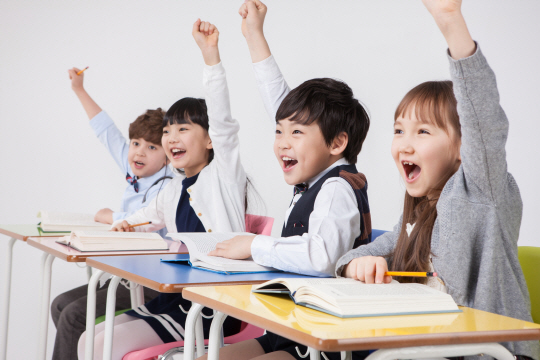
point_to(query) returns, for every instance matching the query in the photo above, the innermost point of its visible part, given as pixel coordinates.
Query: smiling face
(424, 153)
(302, 151)
(145, 158)
(187, 146)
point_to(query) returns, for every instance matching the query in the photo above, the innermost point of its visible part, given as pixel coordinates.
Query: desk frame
(14, 232)
(52, 250)
(395, 347)
(193, 326)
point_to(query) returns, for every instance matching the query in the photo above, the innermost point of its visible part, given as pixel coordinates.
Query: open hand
(252, 13)
(239, 247)
(76, 80)
(369, 269)
(123, 227)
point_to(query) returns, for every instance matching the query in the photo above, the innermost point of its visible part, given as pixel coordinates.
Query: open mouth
(412, 171)
(138, 164)
(177, 153)
(288, 163)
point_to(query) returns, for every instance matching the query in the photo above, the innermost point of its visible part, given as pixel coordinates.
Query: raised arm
(77, 85)
(484, 125)
(104, 128)
(223, 128)
(272, 86)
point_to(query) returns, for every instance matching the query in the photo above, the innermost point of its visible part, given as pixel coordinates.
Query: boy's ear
(339, 144)
(209, 144)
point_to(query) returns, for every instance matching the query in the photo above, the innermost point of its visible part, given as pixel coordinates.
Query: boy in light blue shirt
(143, 163)
(137, 160)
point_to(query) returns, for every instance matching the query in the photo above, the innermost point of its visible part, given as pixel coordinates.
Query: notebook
(58, 221)
(345, 297)
(113, 241)
(200, 244)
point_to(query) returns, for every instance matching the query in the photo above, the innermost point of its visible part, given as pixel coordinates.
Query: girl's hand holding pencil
(124, 226)
(369, 269)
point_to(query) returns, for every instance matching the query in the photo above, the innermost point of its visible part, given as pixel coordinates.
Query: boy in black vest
(320, 129)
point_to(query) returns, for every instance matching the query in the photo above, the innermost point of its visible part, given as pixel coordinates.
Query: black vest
(298, 222)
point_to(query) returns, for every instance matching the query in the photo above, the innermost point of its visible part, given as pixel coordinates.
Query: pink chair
(261, 225)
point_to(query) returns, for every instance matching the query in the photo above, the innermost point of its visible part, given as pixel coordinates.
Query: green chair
(101, 318)
(529, 258)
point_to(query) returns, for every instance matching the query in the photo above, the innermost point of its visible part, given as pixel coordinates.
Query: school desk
(470, 332)
(14, 232)
(150, 272)
(51, 250)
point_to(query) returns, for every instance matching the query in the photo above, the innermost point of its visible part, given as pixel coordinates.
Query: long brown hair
(432, 102)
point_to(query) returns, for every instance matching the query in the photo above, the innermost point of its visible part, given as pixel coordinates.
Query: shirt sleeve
(381, 246)
(334, 224)
(272, 85)
(484, 125)
(153, 212)
(109, 135)
(223, 128)
(119, 215)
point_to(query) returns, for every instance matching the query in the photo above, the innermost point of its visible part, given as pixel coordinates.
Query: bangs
(432, 102)
(187, 111)
(302, 117)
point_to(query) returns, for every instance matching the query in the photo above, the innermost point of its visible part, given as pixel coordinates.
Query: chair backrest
(529, 258)
(376, 233)
(260, 225)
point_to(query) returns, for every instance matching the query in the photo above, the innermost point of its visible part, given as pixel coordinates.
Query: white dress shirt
(334, 223)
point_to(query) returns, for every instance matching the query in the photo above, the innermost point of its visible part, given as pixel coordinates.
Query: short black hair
(331, 104)
(189, 111)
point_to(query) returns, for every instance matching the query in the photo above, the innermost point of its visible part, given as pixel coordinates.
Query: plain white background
(141, 55)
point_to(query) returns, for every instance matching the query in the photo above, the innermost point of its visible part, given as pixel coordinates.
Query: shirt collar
(149, 180)
(316, 178)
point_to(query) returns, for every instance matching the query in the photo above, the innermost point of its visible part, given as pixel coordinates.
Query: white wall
(141, 55)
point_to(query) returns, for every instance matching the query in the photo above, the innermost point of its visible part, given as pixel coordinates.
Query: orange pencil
(146, 223)
(411, 273)
(83, 70)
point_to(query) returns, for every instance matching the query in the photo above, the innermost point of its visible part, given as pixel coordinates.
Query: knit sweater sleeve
(382, 246)
(484, 125)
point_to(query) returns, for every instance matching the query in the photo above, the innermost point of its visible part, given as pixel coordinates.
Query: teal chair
(529, 258)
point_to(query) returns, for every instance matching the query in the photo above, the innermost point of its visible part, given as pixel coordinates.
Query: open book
(113, 241)
(200, 244)
(345, 297)
(58, 221)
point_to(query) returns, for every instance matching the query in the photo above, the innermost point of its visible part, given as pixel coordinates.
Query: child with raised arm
(143, 163)
(320, 129)
(208, 194)
(462, 208)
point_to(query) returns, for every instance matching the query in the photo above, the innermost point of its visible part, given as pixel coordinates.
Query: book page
(361, 290)
(60, 218)
(203, 242)
(117, 235)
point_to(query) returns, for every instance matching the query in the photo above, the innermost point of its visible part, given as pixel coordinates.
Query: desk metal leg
(192, 320)
(422, 352)
(91, 315)
(346, 355)
(215, 339)
(88, 272)
(45, 303)
(136, 293)
(109, 317)
(7, 294)
(314, 354)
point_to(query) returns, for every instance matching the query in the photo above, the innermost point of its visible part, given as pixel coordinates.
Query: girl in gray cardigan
(462, 208)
